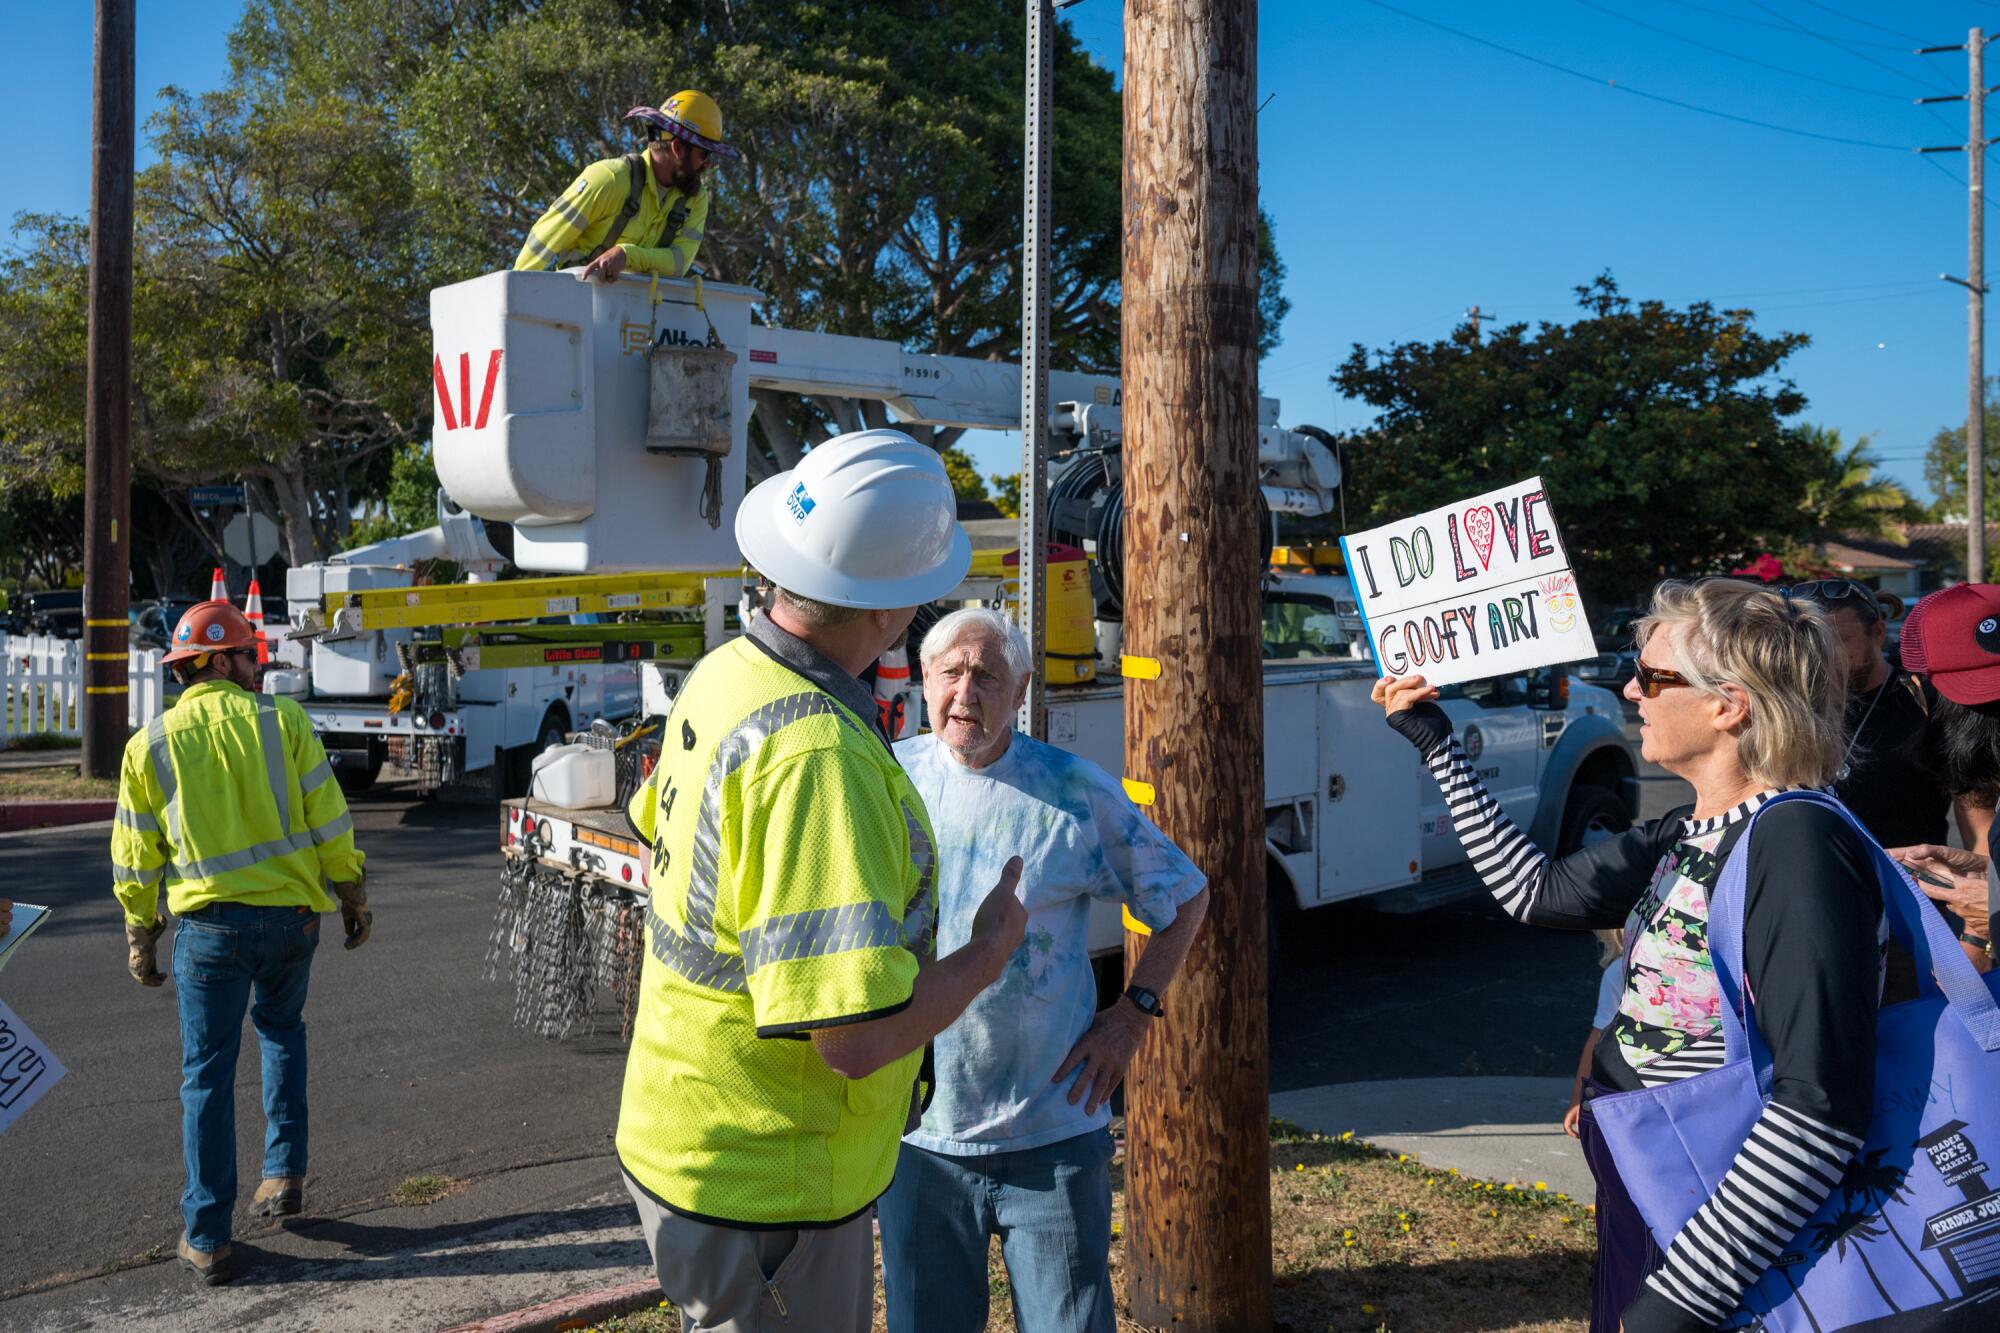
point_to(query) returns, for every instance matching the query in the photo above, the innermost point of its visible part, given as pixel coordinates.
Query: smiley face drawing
(1559, 596)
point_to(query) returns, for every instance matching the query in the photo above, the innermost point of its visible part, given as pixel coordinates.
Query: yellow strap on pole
(108, 624)
(1142, 793)
(1139, 668)
(107, 689)
(1133, 923)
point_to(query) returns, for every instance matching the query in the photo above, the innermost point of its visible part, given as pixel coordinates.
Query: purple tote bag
(1909, 1242)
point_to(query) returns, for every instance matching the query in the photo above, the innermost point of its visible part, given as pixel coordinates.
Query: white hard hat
(867, 520)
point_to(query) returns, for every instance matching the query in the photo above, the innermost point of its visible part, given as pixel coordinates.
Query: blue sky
(1413, 172)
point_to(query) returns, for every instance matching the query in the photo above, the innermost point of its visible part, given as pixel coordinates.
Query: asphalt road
(415, 1066)
(417, 1069)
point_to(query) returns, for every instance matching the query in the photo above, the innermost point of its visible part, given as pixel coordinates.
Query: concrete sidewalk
(1506, 1130)
(507, 1242)
(566, 1231)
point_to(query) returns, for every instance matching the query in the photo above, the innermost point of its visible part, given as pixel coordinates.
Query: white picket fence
(41, 686)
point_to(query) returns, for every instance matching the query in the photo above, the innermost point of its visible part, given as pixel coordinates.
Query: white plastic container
(575, 777)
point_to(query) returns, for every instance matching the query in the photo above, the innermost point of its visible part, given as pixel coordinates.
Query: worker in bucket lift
(645, 211)
(790, 986)
(228, 801)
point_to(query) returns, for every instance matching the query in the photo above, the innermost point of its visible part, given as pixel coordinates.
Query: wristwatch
(1148, 1001)
(1964, 937)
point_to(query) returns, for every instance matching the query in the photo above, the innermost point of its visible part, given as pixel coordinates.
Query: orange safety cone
(253, 611)
(218, 590)
(892, 692)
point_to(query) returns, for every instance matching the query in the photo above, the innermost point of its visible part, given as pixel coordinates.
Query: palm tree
(1877, 1182)
(1787, 1261)
(1844, 494)
(1850, 1223)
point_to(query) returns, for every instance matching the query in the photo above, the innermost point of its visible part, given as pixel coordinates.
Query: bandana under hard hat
(681, 130)
(1952, 638)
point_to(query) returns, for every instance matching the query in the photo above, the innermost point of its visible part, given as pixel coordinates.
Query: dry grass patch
(57, 783)
(1367, 1241)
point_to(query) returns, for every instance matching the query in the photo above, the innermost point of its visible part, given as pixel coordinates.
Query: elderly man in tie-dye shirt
(1016, 1142)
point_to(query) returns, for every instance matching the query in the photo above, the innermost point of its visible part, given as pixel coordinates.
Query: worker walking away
(645, 211)
(228, 801)
(789, 986)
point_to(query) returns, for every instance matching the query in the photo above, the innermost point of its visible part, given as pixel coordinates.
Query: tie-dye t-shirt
(1079, 838)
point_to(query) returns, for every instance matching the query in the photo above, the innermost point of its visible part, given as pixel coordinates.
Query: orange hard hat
(210, 627)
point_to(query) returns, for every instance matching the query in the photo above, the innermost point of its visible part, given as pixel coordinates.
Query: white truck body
(345, 682)
(544, 409)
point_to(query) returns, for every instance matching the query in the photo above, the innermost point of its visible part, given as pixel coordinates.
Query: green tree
(1944, 461)
(966, 483)
(1657, 430)
(410, 503)
(1844, 495)
(1006, 492)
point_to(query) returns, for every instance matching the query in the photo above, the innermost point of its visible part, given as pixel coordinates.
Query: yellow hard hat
(688, 115)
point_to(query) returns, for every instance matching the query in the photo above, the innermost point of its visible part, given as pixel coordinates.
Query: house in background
(1930, 556)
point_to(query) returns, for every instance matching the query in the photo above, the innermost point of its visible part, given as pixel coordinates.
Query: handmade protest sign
(28, 1069)
(1475, 589)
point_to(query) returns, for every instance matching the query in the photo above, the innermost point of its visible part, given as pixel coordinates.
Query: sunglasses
(1652, 681)
(1831, 592)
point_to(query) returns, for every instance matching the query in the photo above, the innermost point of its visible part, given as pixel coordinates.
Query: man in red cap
(1952, 639)
(226, 800)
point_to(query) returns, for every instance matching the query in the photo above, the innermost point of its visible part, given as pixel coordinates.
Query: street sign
(250, 539)
(209, 497)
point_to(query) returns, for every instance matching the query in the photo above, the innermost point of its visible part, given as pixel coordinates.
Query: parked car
(153, 620)
(1618, 654)
(56, 611)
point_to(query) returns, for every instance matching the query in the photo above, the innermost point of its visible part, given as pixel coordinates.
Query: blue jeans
(1051, 1208)
(222, 954)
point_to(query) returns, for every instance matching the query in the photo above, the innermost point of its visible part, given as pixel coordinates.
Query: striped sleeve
(560, 231)
(1788, 1166)
(1510, 866)
(327, 817)
(138, 841)
(1587, 889)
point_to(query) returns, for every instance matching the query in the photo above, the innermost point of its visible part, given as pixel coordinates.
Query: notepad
(27, 916)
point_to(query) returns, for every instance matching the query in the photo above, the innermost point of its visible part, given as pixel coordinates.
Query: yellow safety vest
(227, 796)
(617, 202)
(792, 887)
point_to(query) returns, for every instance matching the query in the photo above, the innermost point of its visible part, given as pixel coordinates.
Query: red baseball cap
(1953, 638)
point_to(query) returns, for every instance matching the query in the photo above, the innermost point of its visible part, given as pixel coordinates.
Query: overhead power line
(1764, 23)
(1748, 60)
(1853, 18)
(1627, 88)
(1848, 47)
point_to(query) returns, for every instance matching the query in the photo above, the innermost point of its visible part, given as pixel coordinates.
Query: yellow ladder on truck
(515, 600)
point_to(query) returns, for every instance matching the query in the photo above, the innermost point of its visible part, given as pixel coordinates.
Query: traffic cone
(253, 611)
(218, 590)
(892, 691)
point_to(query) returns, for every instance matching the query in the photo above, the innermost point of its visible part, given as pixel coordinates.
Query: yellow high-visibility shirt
(578, 222)
(791, 887)
(228, 797)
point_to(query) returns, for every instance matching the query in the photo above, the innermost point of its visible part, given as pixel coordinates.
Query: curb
(586, 1307)
(17, 815)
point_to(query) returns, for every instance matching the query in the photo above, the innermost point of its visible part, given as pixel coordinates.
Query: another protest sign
(1476, 589)
(28, 1069)
(25, 917)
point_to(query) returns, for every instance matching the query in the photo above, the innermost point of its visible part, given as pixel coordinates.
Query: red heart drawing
(1479, 530)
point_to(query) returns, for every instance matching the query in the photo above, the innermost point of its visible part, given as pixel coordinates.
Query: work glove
(142, 946)
(354, 912)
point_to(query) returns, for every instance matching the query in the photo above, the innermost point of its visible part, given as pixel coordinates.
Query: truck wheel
(354, 781)
(1594, 814)
(521, 759)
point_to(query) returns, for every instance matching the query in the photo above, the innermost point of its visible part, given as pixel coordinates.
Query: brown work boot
(210, 1268)
(279, 1196)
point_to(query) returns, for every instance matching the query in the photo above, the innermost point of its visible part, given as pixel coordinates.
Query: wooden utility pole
(107, 485)
(1975, 296)
(1197, 1175)
(1974, 283)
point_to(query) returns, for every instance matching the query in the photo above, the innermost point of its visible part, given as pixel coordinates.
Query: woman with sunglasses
(1740, 691)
